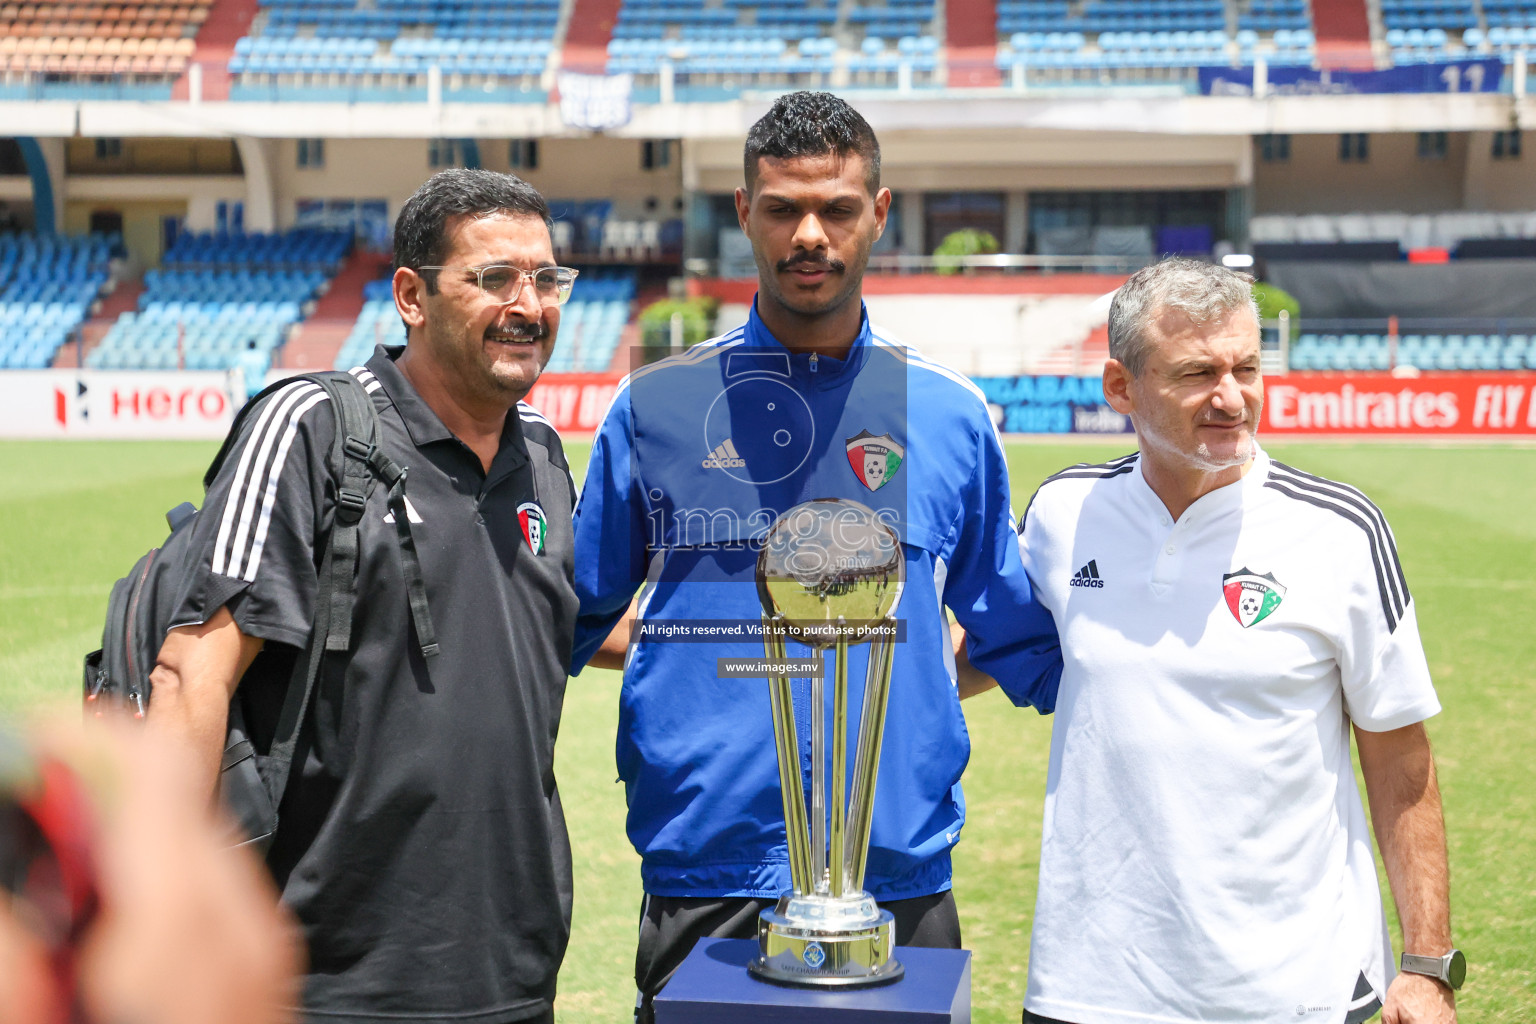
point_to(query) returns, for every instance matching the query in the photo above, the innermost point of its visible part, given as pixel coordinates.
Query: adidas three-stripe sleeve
(609, 517)
(253, 542)
(1383, 671)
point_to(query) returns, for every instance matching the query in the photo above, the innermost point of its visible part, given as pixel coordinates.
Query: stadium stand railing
(47, 287)
(222, 302)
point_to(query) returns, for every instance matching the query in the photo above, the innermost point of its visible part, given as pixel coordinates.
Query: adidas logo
(1087, 576)
(410, 513)
(724, 457)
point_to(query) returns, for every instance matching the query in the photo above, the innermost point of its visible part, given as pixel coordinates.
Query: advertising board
(1483, 74)
(1381, 405)
(574, 402)
(1361, 404)
(197, 405)
(66, 404)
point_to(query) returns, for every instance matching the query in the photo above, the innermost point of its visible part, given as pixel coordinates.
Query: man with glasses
(421, 844)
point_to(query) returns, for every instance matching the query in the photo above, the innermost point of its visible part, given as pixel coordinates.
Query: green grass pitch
(74, 516)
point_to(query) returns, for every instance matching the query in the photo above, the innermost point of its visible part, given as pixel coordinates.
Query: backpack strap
(361, 458)
(356, 438)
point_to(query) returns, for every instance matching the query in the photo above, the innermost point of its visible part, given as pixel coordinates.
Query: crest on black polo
(531, 517)
(1251, 597)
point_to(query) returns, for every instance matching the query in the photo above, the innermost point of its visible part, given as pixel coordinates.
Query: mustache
(532, 331)
(812, 262)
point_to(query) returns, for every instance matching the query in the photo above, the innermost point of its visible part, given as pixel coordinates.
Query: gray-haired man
(1224, 620)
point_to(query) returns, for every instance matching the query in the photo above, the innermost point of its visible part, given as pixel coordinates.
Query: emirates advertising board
(1342, 404)
(1449, 404)
(64, 404)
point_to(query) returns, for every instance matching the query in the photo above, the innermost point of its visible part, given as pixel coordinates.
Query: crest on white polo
(1250, 596)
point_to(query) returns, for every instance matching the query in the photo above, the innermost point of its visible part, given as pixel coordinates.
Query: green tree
(1272, 300)
(698, 320)
(965, 242)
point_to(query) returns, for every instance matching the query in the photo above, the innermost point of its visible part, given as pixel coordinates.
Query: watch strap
(1438, 967)
(1433, 966)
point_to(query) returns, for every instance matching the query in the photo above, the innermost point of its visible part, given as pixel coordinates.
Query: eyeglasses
(503, 285)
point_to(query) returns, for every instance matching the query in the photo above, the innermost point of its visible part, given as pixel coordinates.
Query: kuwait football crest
(1251, 597)
(874, 458)
(531, 518)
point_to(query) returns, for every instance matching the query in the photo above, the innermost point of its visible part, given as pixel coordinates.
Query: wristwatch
(1451, 968)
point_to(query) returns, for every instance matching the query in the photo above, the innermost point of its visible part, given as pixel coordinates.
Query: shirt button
(1169, 549)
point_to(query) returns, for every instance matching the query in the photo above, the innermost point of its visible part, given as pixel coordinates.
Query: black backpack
(139, 610)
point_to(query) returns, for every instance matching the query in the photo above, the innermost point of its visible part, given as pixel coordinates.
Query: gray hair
(1204, 292)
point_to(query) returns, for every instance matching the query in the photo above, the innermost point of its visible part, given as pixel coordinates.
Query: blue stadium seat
(47, 285)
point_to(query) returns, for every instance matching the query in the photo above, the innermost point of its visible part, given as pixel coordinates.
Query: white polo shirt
(1205, 855)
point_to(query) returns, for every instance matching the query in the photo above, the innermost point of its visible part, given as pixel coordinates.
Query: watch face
(1456, 970)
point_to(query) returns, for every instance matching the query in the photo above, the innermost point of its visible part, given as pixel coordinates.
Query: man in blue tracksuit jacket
(697, 457)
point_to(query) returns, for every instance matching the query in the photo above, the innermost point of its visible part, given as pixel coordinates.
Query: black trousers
(670, 925)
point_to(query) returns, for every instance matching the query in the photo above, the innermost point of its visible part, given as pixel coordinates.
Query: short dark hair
(812, 124)
(421, 229)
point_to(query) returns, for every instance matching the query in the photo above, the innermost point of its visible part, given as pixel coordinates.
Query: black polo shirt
(421, 844)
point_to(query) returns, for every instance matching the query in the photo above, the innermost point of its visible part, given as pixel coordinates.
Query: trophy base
(821, 942)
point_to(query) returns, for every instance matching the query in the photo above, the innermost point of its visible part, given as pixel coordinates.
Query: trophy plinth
(829, 575)
(829, 941)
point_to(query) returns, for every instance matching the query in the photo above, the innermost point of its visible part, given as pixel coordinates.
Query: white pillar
(435, 90)
(260, 183)
(195, 83)
(667, 73)
(1015, 222)
(53, 156)
(1475, 187)
(913, 224)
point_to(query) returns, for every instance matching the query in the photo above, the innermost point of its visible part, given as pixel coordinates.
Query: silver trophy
(829, 575)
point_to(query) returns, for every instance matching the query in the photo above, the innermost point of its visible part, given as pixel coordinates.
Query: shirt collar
(421, 422)
(828, 370)
(424, 425)
(1234, 494)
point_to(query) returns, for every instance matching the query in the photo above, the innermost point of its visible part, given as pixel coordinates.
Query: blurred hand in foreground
(179, 929)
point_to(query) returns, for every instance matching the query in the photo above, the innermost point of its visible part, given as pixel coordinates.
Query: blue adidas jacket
(696, 458)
